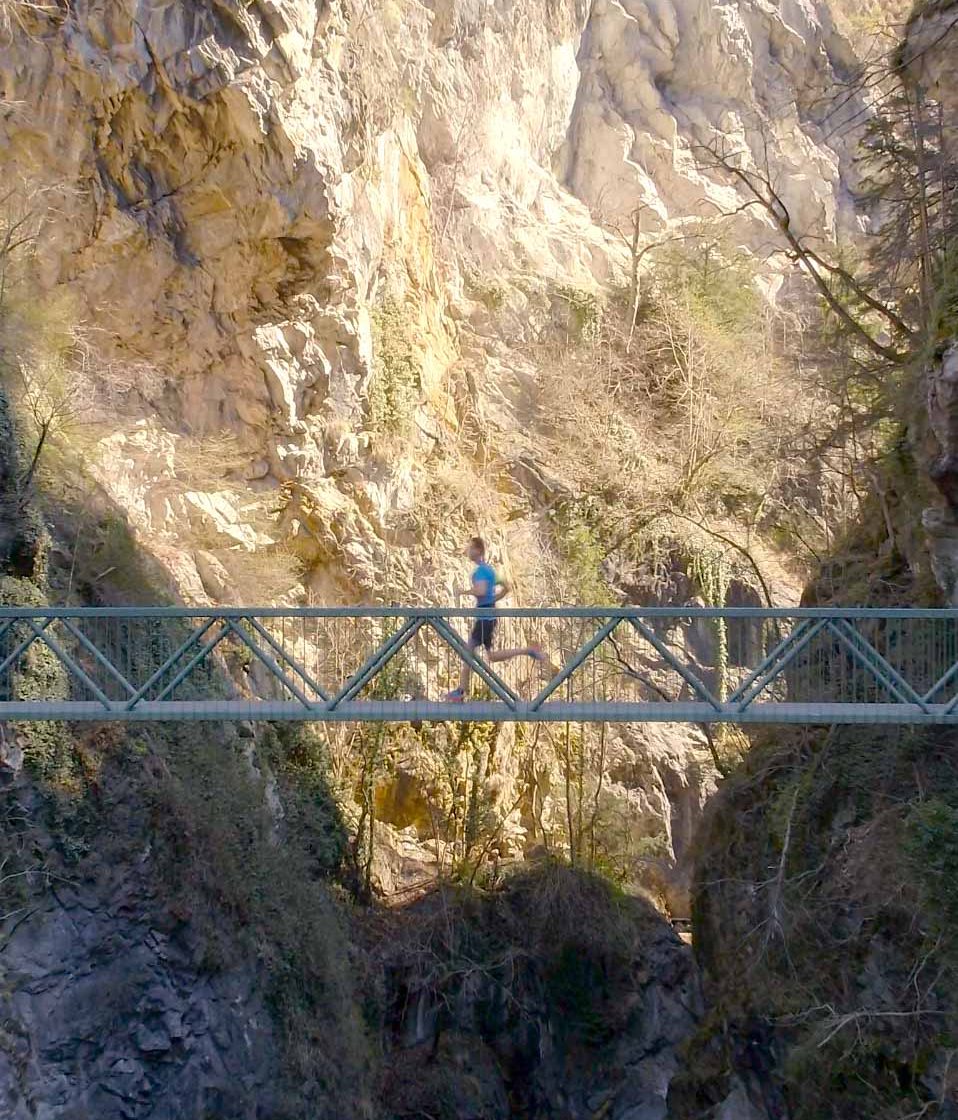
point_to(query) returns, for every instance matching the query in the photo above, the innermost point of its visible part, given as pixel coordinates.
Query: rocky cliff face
(245, 200)
(488, 1018)
(107, 1007)
(925, 52)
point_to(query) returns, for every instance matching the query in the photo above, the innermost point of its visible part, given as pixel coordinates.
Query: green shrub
(299, 755)
(943, 328)
(717, 277)
(582, 554)
(397, 374)
(931, 842)
(710, 569)
(486, 291)
(584, 313)
(39, 675)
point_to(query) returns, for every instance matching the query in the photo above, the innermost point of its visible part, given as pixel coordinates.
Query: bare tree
(846, 295)
(912, 176)
(23, 207)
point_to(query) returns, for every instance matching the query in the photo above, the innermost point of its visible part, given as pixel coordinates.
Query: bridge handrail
(678, 612)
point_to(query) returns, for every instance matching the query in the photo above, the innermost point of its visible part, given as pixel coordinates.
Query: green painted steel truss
(675, 664)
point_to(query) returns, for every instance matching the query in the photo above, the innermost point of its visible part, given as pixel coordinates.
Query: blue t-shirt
(485, 574)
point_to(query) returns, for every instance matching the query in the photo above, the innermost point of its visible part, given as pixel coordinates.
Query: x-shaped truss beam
(93, 670)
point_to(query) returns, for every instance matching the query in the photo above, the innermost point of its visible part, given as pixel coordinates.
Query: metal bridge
(369, 664)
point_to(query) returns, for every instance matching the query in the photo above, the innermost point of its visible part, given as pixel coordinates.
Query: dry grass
(264, 575)
(712, 417)
(207, 462)
(456, 497)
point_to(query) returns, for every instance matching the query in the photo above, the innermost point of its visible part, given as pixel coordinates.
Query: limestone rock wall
(660, 78)
(927, 47)
(233, 193)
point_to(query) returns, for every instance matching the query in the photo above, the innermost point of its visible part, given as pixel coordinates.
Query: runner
(487, 591)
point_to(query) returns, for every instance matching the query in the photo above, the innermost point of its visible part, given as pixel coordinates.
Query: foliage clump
(552, 949)
(486, 290)
(583, 311)
(931, 843)
(396, 379)
(824, 922)
(581, 556)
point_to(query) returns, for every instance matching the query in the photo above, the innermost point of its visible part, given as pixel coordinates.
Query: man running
(487, 591)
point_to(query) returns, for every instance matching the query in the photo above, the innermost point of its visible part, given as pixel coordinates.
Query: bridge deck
(679, 664)
(404, 711)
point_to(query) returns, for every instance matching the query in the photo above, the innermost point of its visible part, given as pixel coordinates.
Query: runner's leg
(477, 638)
(532, 651)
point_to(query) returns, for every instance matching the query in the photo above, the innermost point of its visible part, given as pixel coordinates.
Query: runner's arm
(480, 588)
(502, 590)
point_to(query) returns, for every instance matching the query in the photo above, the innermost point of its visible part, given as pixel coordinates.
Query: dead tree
(845, 295)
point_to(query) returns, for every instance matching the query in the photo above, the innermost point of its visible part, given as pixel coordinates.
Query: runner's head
(476, 550)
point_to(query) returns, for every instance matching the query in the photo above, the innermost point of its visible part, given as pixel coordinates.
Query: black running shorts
(482, 633)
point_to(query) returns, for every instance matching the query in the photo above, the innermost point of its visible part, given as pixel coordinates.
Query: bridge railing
(676, 663)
